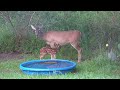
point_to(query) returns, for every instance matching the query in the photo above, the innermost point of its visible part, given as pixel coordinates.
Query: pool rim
(51, 69)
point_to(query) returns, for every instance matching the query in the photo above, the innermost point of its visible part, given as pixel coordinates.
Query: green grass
(94, 26)
(97, 68)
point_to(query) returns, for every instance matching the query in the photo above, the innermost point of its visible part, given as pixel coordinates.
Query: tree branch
(30, 19)
(6, 15)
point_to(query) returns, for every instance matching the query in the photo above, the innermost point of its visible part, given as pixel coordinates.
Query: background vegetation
(97, 27)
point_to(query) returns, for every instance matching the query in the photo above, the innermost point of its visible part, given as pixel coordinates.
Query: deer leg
(77, 47)
(53, 56)
(42, 55)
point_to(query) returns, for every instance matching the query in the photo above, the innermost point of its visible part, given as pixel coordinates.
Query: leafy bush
(97, 27)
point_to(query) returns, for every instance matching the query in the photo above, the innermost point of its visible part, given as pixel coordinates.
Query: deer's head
(38, 30)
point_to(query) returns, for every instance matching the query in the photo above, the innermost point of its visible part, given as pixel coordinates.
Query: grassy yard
(97, 68)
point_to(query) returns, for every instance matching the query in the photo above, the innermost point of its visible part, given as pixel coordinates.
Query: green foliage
(96, 68)
(6, 40)
(97, 28)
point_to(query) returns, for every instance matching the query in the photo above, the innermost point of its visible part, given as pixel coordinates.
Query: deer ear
(33, 27)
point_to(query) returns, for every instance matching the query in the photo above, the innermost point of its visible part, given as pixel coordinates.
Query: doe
(60, 37)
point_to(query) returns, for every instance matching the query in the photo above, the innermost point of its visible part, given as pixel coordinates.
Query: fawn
(48, 50)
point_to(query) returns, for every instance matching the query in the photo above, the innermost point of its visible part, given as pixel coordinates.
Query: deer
(48, 50)
(71, 37)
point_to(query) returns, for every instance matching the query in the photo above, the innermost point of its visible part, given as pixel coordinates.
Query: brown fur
(62, 38)
(48, 50)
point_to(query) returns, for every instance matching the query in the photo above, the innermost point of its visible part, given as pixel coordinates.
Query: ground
(13, 55)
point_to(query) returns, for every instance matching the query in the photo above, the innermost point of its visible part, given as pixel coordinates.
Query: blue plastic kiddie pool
(47, 67)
